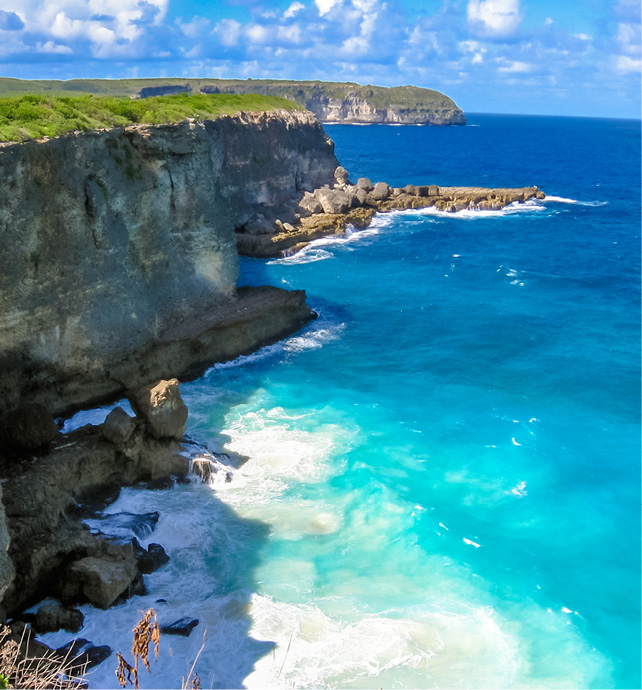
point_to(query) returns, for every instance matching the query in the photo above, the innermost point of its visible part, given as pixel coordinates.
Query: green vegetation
(41, 115)
(298, 91)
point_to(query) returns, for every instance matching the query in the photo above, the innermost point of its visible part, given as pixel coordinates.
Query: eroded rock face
(110, 239)
(162, 408)
(30, 427)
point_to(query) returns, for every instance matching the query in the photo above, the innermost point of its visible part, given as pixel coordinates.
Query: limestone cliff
(112, 242)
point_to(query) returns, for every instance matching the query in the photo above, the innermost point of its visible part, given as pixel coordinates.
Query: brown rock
(162, 409)
(364, 183)
(100, 580)
(118, 427)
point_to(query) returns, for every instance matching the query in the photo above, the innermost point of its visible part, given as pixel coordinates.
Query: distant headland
(329, 101)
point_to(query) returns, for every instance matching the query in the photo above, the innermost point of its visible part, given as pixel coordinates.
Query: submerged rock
(183, 627)
(84, 652)
(151, 560)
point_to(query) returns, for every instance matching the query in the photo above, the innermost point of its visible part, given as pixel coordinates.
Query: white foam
(321, 332)
(472, 543)
(564, 200)
(517, 207)
(95, 416)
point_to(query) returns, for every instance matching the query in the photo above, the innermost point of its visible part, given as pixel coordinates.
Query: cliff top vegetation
(34, 116)
(299, 91)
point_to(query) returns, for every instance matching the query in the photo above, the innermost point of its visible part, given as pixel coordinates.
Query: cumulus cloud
(494, 17)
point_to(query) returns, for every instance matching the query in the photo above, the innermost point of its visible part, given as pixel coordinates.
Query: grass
(34, 116)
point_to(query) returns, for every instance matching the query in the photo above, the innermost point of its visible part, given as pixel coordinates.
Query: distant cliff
(329, 101)
(118, 262)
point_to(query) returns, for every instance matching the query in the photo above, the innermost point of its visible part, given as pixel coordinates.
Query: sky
(548, 57)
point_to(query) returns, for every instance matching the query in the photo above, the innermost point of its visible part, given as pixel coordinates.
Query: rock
(118, 427)
(397, 191)
(433, 190)
(341, 175)
(125, 524)
(288, 227)
(84, 652)
(380, 192)
(258, 227)
(151, 560)
(310, 203)
(364, 183)
(99, 580)
(333, 200)
(53, 617)
(422, 190)
(183, 627)
(7, 571)
(162, 409)
(410, 189)
(31, 427)
(361, 195)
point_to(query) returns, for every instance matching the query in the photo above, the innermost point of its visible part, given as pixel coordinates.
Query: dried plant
(145, 633)
(19, 669)
(193, 681)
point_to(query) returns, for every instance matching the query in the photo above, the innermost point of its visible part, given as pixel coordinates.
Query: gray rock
(183, 627)
(7, 571)
(333, 200)
(381, 191)
(259, 227)
(99, 580)
(433, 190)
(361, 195)
(310, 203)
(151, 560)
(31, 427)
(84, 652)
(410, 189)
(162, 409)
(53, 617)
(364, 183)
(118, 427)
(288, 227)
(421, 190)
(341, 175)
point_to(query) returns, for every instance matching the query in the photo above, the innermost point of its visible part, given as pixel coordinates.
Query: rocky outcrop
(112, 242)
(50, 552)
(329, 210)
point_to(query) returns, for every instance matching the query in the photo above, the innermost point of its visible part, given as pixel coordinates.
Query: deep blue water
(444, 479)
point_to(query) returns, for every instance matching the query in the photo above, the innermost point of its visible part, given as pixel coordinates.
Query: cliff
(329, 101)
(118, 262)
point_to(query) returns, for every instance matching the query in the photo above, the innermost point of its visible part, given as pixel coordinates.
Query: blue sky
(558, 57)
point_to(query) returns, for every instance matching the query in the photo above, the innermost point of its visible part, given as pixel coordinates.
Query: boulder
(162, 409)
(258, 227)
(433, 190)
(341, 175)
(310, 203)
(31, 427)
(183, 627)
(361, 195)
(99, 580)
(118, 427)
(84, 652)
(333, 200)
(422, 190)
(410, 189)
(154, 558)
(53, 617)
(380, 192)
(364, 183)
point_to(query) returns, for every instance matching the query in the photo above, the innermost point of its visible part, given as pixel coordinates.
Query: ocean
(440, 484)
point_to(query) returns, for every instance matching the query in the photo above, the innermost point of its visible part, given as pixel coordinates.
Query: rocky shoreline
(329, 210)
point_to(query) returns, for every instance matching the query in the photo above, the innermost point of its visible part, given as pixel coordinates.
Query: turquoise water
(443, 483)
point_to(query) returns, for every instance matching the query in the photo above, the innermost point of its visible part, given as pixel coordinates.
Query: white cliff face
(109, 238)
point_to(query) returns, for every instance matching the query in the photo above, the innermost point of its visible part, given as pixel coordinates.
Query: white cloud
(229, 32)
(516, 67)
(324, 6)
(54, 48)
(494, 17)
(583, 37)
(624, 63)
(293, 9)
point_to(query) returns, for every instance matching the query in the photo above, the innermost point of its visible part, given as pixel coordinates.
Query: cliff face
(111, 240)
